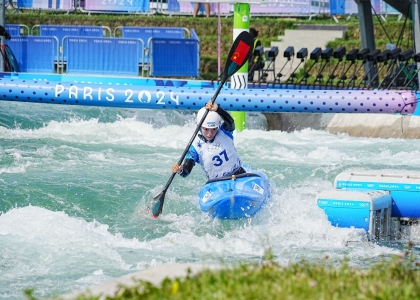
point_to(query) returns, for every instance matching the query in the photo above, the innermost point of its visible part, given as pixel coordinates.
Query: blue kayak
(236, 196)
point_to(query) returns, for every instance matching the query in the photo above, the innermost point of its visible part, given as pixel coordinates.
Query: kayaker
(213, 148)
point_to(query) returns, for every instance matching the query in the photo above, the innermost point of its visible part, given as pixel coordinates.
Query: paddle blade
(239, 53)
(156, 205)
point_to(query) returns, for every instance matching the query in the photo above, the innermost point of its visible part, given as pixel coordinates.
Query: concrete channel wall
(357, 125)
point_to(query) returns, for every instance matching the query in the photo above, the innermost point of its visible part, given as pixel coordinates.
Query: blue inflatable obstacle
(194, 97)
(377, 201)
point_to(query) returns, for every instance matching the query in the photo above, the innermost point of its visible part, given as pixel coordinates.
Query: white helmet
(212, 120)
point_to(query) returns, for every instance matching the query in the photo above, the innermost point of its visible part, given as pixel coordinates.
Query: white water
(75, 183)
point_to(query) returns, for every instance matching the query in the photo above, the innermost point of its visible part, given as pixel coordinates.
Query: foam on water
(75, 184)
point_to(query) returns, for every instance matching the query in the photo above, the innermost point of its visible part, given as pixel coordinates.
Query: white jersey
(219, 157)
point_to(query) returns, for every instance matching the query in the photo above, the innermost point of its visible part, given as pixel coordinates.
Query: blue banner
(42, 4)
(117, 5)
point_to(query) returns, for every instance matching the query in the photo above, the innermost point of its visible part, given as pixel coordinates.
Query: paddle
(239, 54)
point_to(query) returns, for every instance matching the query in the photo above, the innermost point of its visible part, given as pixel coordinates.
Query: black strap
(243, 175)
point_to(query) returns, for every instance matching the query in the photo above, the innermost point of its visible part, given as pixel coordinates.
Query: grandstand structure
(281, 8)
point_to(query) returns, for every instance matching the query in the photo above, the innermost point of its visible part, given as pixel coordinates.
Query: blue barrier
(34, 54)
(102, 56)
(146, 33)
(16, 30)
(174, 57)
(61, 31)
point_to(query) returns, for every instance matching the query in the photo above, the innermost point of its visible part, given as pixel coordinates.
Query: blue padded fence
(170, 52)
(103, 56)
(174, 57)
(34, 53)
(146, 33)
(17, 29)
(13, 30)
(60, 31)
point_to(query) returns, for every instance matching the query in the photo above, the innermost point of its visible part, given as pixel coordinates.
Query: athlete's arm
(185, 169)
(229, 123)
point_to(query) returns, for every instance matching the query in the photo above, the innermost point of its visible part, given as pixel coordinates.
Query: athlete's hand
(177, 168)
(211, 106)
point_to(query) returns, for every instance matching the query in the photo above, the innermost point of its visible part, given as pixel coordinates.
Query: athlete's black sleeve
(229, 123)
(187, 167)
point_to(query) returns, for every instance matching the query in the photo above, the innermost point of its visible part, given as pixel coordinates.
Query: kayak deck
(234, 197)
